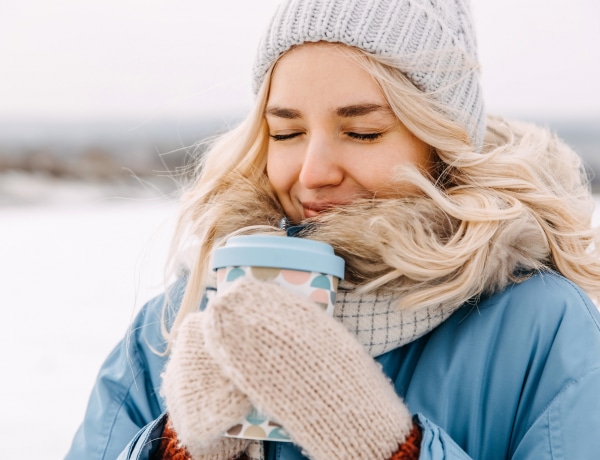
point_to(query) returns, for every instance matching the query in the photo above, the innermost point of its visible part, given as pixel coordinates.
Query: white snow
(73, 276)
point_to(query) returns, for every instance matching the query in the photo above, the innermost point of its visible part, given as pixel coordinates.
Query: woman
(470, 265)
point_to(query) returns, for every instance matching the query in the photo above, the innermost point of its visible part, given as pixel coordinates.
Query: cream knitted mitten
(201, 402)
(306, 371)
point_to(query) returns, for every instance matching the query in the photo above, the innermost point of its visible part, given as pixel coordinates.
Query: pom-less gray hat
(431, 41)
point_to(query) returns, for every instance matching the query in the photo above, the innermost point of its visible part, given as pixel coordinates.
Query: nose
(321, 166)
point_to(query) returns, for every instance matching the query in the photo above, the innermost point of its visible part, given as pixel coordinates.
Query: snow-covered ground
(73, 275)
(72, 278)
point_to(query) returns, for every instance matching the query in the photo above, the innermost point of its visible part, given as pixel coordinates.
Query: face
(333, 137)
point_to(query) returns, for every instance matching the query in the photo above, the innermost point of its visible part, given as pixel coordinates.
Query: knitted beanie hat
(432, 42)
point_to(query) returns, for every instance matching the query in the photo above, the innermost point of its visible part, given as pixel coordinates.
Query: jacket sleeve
(436, 444)
(569, 426)
(146, 441)
(562, 430)
(125, 399)
(529, 388)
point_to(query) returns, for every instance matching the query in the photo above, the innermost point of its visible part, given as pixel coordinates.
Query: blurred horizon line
(113, 149)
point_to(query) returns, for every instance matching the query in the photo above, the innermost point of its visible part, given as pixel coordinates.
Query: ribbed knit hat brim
(431, 41)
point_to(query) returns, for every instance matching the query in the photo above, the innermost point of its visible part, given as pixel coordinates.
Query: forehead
(323, 72)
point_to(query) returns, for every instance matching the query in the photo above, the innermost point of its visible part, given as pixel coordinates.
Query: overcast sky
(148, 59)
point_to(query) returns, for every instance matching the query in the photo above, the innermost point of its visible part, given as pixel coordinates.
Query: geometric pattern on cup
(258, 426)
(234, 274)
(321, 288)
(295, 277)
(321, 282)
(265, 273)
(321, 297)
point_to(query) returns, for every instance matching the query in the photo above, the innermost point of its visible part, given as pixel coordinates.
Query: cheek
(374, 170)
(280, 174)
(381, 177)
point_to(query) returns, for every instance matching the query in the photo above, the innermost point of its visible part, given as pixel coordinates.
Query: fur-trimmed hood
(523, 206)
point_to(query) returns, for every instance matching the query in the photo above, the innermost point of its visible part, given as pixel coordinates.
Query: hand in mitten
(202, 403)
(307, 371)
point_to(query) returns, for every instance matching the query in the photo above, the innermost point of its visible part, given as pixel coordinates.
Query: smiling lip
(314, 209)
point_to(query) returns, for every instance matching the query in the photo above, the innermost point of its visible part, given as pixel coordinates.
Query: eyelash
(365, 137)
(283, 137)
(357, 136)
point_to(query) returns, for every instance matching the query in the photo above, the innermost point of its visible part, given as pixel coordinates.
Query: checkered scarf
(379, 324)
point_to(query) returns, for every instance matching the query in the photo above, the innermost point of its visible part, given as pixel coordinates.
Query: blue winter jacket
(512, 376)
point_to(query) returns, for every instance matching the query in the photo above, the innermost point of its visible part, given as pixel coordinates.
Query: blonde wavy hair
(480, 221)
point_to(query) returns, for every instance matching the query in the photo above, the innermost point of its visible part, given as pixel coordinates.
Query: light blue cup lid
(279, 251)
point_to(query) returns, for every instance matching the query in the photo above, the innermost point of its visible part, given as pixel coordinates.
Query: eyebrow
(358, 110)
(282, 112)
(349, 111)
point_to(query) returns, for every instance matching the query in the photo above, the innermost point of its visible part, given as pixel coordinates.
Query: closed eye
(365, 136)
(283, 137)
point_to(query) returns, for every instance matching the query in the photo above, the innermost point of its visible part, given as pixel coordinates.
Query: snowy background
(73, 274)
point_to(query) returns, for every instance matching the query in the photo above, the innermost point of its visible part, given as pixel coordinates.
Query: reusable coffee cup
(305, 267)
